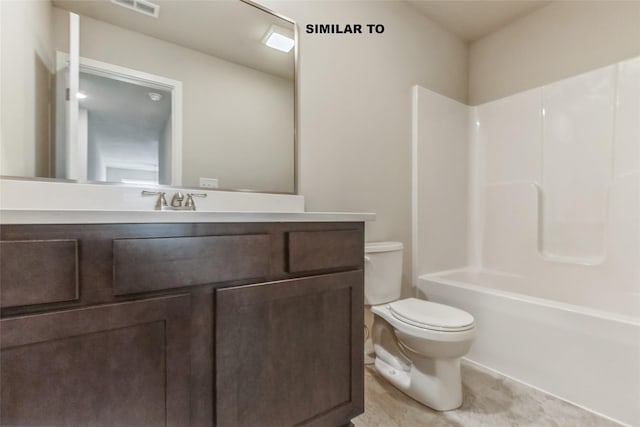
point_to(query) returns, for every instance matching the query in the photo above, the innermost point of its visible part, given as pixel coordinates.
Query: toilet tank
(382, 272)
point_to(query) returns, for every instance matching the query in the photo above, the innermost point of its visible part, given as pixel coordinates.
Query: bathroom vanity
(182, 323)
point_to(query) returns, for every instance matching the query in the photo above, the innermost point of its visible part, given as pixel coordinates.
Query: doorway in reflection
(127, 130)
(127, 127)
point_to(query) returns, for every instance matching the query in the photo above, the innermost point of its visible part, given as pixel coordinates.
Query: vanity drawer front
(38, 272)
(150, 264)
(323, 250)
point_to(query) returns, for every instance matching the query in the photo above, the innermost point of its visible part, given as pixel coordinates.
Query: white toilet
(418, 344)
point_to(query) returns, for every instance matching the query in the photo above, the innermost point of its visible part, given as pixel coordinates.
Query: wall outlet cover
(209, 182)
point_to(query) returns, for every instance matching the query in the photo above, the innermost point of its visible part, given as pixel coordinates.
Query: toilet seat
(430, 315)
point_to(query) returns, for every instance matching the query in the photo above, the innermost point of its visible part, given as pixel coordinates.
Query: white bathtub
(586, 352)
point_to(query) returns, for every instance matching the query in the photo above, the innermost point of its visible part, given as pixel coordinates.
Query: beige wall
(560, 40)
(27, 62)
(355, 107)
(237, 122)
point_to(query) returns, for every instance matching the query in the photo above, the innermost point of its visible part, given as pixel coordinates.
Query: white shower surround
(552, 279)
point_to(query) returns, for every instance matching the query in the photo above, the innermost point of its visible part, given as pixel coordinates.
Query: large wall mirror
(150, 92)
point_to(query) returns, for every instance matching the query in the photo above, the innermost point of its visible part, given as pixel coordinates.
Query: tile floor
(490, 400)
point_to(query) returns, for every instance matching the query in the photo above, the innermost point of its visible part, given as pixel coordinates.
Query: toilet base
(434, 383)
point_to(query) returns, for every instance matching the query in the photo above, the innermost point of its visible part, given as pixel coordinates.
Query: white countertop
(78, 216)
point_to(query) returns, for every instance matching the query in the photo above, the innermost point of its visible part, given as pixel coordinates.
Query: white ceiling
(231, 30)
(472, 20)
(125, 125)
(124, 102)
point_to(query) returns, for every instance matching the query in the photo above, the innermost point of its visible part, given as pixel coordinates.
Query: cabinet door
(123, 364)
(291, 352)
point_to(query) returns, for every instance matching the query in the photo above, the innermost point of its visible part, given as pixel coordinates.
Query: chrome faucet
(190, 204)
(176, 200)
(162, 201)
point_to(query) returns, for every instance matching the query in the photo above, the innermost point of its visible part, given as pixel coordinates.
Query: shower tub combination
(545, 215)
(569, 328)
(580, 353)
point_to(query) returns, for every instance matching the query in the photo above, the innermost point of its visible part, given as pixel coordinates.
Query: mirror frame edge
(296, 102)
(295, 134)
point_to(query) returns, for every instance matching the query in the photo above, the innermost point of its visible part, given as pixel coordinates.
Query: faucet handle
(190, 203)
(176, 200)
(162, 202)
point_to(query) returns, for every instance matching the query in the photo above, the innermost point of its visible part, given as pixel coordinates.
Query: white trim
(72, 154)
(176, 134)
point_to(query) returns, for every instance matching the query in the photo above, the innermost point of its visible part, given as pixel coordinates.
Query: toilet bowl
(418, 344)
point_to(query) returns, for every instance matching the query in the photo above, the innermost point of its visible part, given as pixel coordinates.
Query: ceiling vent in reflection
(141, 6)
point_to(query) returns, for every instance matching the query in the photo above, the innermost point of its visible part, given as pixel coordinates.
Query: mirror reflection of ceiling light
(81, 95)
(279, 38)
(155, 96)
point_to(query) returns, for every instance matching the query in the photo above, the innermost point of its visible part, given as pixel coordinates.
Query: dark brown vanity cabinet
(285, 353)
(116, 364)
(181, 324)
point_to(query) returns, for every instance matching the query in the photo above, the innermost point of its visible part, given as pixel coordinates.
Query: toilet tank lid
(371, 247)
